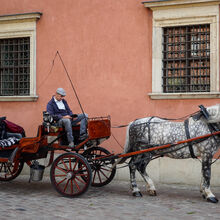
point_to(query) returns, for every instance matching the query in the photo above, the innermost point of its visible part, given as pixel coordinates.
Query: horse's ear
(204, 111)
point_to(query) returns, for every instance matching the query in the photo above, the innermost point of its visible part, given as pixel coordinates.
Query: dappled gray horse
(153, 131)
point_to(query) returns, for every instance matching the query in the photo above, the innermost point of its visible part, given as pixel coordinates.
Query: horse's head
(214, 114)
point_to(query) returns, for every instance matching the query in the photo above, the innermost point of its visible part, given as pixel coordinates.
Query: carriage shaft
(130, 154)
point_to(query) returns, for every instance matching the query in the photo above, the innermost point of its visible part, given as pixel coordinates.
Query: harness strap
(186, 125)
(148, 125)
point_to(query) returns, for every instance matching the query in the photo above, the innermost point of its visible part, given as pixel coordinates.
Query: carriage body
(99, 130)
(71, 172)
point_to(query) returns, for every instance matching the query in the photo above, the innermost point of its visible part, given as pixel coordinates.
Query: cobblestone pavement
(38, 200)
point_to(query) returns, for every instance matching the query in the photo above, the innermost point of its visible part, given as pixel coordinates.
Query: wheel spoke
(61, 169)
(66, 185)
(93, 179)
(61, 181)
(60, 175)
(100, 179)
(77, 186)
(80, 180)
(104, 168)
(82, 174)
(71, 186)
(64, 164)
(81, 168)
(70, 164)
(9, 169)
(103, 174)
(77, 161)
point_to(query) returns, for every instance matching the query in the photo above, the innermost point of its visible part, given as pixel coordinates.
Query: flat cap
(61, 91)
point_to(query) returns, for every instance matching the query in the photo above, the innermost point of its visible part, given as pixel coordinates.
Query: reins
(189, 141)
(166, 119)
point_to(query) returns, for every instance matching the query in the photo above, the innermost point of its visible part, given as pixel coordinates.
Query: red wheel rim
(9, 171)
(71, 174)
(102, 170)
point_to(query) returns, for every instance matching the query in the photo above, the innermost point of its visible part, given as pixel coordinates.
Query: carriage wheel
(70, 174)
(102, 170)
(9, 171)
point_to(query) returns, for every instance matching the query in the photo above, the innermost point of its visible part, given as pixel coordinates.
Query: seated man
(58, 108)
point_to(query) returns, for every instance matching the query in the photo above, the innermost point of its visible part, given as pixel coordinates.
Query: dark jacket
(53, 110)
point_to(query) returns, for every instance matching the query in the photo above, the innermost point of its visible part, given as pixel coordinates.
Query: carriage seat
(9, 133)
(52, 122)
(16, 135)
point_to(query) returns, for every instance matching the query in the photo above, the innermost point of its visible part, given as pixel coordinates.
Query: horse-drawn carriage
(148, 138)
(73, 171)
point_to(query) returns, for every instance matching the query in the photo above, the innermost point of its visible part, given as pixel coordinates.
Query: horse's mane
(214, 112)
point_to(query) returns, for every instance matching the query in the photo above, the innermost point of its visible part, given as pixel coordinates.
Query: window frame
(179, 13)
(17, 26)
(15, 66)
(186, 59)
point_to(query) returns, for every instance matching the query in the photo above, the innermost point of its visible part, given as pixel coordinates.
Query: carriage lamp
(48, 120)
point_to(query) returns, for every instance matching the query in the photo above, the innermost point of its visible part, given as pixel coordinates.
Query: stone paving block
(38, 200)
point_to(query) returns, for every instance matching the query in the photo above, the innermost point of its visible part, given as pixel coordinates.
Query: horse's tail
(127, 147)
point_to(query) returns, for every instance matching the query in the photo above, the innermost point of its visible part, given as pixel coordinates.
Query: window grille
(15, 66)
(186, 59)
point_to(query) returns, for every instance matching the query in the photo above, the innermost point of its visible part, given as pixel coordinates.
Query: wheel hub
(69, 175)
(97, 166)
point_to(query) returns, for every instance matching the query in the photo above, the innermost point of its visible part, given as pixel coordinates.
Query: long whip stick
(71, 83)
(57, 53)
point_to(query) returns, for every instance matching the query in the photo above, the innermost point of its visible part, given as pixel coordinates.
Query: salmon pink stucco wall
(106, 47)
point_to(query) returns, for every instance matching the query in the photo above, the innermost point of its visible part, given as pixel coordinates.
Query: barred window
(186, 59)
(15, 66)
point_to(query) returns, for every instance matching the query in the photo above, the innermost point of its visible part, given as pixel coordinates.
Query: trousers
(68, 123)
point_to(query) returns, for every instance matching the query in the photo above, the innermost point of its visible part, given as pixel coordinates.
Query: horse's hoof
(152, 192)
(212, 200)
(137, 194)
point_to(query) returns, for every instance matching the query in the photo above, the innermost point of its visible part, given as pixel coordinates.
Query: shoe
(83, 137)
(71, 144)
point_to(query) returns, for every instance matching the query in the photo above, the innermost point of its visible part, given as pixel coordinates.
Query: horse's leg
(132, 167)
(206, 176)
(149, 182)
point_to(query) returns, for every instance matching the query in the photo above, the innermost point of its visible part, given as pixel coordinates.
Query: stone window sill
(18, 98)
(204, 95)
